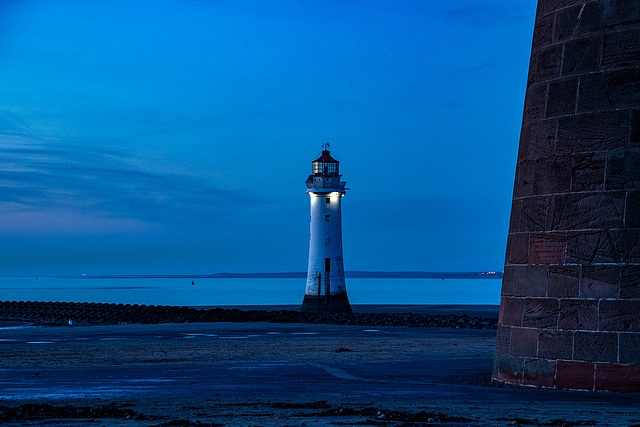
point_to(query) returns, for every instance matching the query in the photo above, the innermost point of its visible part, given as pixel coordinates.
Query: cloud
(41, 177)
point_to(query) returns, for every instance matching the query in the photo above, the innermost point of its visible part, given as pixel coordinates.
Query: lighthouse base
(323, 304)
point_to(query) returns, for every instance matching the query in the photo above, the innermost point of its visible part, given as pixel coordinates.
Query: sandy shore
(240, 374)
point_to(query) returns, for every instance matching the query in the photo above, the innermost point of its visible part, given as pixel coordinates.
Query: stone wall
(570, 309)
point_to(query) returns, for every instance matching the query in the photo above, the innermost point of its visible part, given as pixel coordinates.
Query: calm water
(172, 291)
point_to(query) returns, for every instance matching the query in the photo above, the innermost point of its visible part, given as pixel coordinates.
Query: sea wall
(59, 313)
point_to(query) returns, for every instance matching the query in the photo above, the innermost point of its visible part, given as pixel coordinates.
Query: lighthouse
(325, 291)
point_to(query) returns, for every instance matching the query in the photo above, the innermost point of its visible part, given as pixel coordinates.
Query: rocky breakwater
(60, 313)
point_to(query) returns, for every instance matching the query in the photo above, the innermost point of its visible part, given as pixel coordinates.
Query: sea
(245, 291)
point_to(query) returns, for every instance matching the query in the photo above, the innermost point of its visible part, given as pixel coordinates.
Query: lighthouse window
(326, 217)
(325, 168)
(327, 199)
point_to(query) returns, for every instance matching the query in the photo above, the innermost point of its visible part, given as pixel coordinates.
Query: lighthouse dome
(326, 165)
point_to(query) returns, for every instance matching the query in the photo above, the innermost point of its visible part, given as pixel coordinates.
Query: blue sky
(166, 137)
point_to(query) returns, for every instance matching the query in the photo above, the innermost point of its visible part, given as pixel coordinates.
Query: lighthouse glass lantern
(325, 291)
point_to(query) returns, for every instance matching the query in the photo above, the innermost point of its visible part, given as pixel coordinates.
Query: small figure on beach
(193, 283)
(70, 323)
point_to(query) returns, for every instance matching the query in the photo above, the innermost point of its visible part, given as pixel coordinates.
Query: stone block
(575, 375)
(625, 13)
(623, 170)
(607, 91)
(582, 56)
(587, 172)
(525, 175)
(618, 378)
(552, 175)
(554, 5)
(518, 248)
(524, 342)
(553, 344)
(547, 248)
(503, 339)
(564, 281)
(567, 22)
(593, 132)
(601, 247)
(578, 315)
(620, 315)
(595, 346)
(632, 210)
(621, 49)
(630, 281)
(542, 33)
(539, 372)
(599, 15)
(514, 218)
(541, 313)
(606, 251)
(538, 139)
(626, 244)
(508, 368)
(548, 62)
(583, 211)
(508, 279)
(535, 101)
(634, 137)
(561, 98)
(533, 214)
(600, 281)
(630, 348)
(582, 246)
(511, 311)
(590, 19)
(530, 280)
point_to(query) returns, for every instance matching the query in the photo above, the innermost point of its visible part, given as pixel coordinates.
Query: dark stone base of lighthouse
(570, 307)
(323, 304)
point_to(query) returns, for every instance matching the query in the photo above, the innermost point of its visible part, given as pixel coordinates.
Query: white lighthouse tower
(326, 291)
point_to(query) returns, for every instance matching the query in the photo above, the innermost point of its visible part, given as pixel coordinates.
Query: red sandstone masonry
(564, 281)
(570, 308)
(554, 344)
(511, 311)
(629, 350)
(541, 313)
(524, 342)
(595, 346)
(614, 377)
(578, 315)
(575, 375)
(619, 315)
(547, 248)
(539, 372)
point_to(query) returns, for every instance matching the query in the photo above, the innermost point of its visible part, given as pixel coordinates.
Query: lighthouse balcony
(325, 185)
(324, 180)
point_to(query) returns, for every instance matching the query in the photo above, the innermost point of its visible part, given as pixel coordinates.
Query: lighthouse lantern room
(325, 291)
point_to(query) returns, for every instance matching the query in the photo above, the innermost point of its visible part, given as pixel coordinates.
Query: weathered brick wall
(570, 309)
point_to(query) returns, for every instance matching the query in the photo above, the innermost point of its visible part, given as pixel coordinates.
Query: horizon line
(354, 274)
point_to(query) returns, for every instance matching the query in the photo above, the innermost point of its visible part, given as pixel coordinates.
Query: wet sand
(240, 374)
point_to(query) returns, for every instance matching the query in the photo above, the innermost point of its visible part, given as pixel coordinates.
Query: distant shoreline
(301, 275)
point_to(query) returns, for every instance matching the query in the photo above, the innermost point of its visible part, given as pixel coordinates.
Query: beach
(262, 373)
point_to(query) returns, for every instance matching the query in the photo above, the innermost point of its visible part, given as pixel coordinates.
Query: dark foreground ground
(259, 373)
